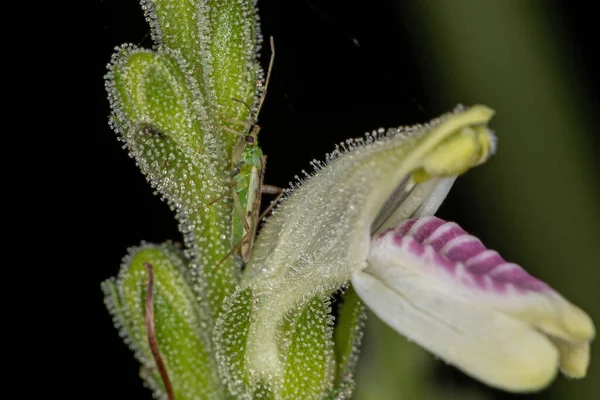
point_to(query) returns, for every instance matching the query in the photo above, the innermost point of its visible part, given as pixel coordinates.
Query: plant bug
(248, 172)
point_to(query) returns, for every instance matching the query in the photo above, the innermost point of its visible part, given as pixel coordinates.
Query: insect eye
(249, 139)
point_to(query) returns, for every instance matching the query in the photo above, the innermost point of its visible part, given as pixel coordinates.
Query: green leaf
(263, 392)
(156, 111)
(177, 24)
(347, 340)
(231, 338)
(150, 88)
(348, 336)
(182, 96)
(201, 205)
(309, 363)
(218, 40)
(233, 39)
(181, 324)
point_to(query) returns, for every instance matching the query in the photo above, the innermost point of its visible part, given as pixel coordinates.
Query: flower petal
(485, 344)
(574, 358)
(478, 274)
(428, 253)
(321, 233)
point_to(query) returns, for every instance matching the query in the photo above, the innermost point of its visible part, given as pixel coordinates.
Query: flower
(427, 279)
(432, 282)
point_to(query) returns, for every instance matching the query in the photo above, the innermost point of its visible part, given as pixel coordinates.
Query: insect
(248, 169)
(248, 175)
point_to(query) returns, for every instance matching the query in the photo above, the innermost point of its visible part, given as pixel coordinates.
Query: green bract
(174, 109)
(348, 334)
(309, 362)
(182, 330)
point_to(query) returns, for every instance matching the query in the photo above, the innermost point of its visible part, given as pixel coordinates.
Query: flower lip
(431, 281)
(449, 246)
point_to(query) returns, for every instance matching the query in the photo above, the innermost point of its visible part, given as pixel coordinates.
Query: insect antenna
(269, 70)
(264, 92)
(233, 250)
(274, 190)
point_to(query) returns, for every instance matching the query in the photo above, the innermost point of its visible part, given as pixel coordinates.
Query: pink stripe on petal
(512, 273)
(443, 235)
(463, 248)
(452, 263)
(484, 262)
(444, 245)
(424, 227)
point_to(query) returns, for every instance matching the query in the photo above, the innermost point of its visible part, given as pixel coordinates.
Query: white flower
(439, 286)
(497, 324)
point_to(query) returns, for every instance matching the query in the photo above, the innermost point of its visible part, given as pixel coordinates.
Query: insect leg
(268, 189)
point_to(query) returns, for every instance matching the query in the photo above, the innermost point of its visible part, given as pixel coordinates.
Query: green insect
(248, 173)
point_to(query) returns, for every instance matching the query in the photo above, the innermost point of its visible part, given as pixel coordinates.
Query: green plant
(264, 328)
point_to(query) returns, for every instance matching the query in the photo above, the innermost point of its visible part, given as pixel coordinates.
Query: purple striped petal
(464, 256)
(429, 255)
